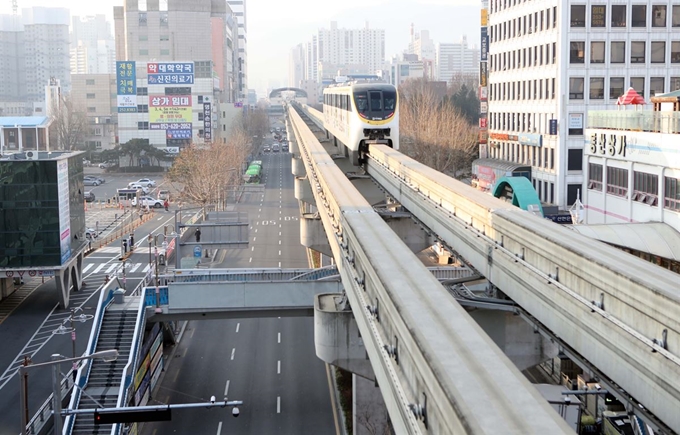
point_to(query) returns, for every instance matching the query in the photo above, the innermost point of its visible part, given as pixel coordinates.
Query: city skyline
(271, 34)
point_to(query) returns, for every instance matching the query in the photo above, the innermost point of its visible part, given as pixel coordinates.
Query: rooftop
(24, 121)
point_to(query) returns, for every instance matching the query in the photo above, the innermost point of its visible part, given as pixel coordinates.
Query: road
(269, 363)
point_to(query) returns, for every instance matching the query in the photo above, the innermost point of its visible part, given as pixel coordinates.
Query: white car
(147, 182)
(148, 201)
(145, 190)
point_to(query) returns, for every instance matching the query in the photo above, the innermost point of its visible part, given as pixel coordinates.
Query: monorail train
(359, 114)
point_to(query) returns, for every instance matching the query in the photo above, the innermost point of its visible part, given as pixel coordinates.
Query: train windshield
(375, 105)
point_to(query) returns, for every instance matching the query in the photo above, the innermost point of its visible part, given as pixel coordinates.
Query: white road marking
(279, 252)
(254, 238)
(251, 260)
(232, 353)
(160, 218)
(147, 268)
(279, 242)
(278, 404)
(226, 389)
(279, 264)
(219, 428)
(135, 267)
(110, 269)
(238, 325)
(279, 233)
(279, 337)
(255, 231)
(252, 249)
(88, 267)
(100, 267)
(278, 367)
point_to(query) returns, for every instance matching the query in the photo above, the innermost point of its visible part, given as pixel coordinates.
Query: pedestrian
(198, 235)
(166, 204)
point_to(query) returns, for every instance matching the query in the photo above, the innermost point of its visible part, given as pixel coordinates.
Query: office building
(238, 8)
(421, 45)
(405, 67)
(96, 94)
(93, 49)
(456, 59)
(296, 65)
(550, 62)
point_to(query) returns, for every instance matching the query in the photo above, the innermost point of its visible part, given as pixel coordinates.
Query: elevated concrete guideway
(298, 92)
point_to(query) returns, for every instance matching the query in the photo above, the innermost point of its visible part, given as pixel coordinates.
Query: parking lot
(114, 181)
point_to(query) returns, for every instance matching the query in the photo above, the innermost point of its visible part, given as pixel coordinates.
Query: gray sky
(275, 26)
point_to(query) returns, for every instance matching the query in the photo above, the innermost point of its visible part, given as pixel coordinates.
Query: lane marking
(278, 367)
(279, 337)
(226, 389)
(279, 264)
(250, 260)
(135, 267)
(252, 249)
(110, 269)
(278, 404)
(238, 325)
(232, 353)
(88, 267)
(219, 428)
(100, 267)
(254, 238)
(160, 218)
(279, 252)
(279, 242)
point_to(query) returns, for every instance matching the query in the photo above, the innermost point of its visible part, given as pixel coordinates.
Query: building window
(142, 19)
(91, 109)
(178, 91)
(142, 91)
(671, 193)
(638, 16)
(637, 52)
(578, 16)
(91, 96)
(575, 159)
(645, 188)
(598, 16)
(597, 88)
(165, 37)
(675, 83)
(165, 52)
(200, 100)
(89, 82)
(638, 83)
(164, 19)
(142, 125)
(616, 87)
(143, 108)
(576, 88)
(577, 52)
(618, 15)
(200, 116)
(617, 181)
(597, 52)
(143, 52)
(659, 16)
(594, 176)
(618, 52)
(656, 86)
(658, 52)
(676, 16)
(675, 52)
(143, 37)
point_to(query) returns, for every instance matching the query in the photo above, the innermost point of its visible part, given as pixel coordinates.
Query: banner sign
(64, 210)
(126, 85)
(170, 126)
(178, 134)
(170, 73)
(484, 46)
(170, 101)
(207, 122)
(170, 115)
(483, 74)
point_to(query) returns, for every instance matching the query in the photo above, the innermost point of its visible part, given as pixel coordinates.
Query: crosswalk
(107, 268)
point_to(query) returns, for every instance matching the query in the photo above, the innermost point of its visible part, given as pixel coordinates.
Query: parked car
(101, 180)
(164, 194)
(91, 182)
(90, 234)
(105, 165)
(144, 189)
(146, 182)
(148, 201)
(89, 196)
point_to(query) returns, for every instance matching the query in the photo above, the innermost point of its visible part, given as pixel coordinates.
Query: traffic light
(110, 417)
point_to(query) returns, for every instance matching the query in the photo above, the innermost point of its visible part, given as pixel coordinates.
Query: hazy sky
(276, 26)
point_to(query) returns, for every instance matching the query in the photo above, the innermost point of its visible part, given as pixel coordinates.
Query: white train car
(360, 114)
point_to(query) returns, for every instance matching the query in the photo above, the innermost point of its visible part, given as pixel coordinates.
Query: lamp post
(57, 359)
(158, 289)
(62, 329)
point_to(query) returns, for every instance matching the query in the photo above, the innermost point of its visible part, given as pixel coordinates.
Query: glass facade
(30, 231)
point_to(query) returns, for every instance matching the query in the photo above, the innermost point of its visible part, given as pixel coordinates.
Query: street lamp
(57, 359)
(62, 329)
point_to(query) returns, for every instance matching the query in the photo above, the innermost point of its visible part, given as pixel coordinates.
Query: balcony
(654, 122)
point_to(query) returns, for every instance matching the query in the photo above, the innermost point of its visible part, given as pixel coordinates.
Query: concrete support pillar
(408, 230)
(336, 337)
(516, 338)
(298, 167)
(69, 276)
(6, 287)
(368, 408)
(312, 234)
(303, 190)
(19, 139)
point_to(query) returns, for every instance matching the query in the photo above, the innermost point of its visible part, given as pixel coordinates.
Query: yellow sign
(170, 114)
(485, 17)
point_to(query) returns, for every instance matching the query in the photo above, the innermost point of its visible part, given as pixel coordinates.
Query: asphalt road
(268, 363)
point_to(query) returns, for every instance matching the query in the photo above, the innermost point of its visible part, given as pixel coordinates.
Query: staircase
(105, 378)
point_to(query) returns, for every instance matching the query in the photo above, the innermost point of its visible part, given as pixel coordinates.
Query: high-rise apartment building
(312, 59)
(296, 65)
(421, 45)
(93, 49)
(452, 59)
(550, 62)
(241, 66)
(35, 49)
(199, 30)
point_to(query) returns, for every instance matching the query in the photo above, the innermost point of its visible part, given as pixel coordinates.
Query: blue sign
(126, 86)
(484, 46)
(535, 140)
(197, 251)
(178, 134)
(168, 79)
(553, 127)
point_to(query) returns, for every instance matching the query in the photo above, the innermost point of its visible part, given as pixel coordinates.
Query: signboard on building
(207, 122)
(552, 127)
(482, 74)
(483, 125)
(575, 121)
(172, 150)
(164, 109)
(598, 16)
(483, 136)
(484, 45)
(166, 73)
(535, 140)
(64, 210)
(178, 134)
(483, 93)
(170, 126)
(484, 18)
(126, 84)
(483, 108)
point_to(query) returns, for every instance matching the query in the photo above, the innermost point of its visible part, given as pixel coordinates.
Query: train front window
(361, 101)
(376, 101)
(390, 100)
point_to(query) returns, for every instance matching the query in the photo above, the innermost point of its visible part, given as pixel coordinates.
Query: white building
(551, 61)
(421, 45)
(241, 67)
(93, 49)
(296, 65)
(452, 59)
(405, 67)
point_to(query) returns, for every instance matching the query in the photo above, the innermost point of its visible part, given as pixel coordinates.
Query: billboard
(126, 84)
(165, 73)
(64, 210)
(170, 126)
(484, 45)
(207, 122)
(178, 134)
(170, 109)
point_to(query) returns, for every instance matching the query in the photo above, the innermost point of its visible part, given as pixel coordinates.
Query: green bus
(253, 174)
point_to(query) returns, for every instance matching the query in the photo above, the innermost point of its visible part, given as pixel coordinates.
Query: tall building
(93, 49)
(296, 65)
(550, 62)
(96, 94)
(312, 59)
(35, 48)
(421, 45)
(403, 68)
(453, 59)
(200, 30)
(241, 67)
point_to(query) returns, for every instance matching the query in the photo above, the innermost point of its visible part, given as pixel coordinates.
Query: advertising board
(126, 86)
(64, 210)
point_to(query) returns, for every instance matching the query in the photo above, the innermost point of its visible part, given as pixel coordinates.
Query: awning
(654, 238)
(24, 121)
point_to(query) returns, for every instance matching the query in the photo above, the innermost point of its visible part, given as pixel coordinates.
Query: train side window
(361, 101)
(376, 101)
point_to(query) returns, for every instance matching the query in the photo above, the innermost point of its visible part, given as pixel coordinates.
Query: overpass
(615, 310)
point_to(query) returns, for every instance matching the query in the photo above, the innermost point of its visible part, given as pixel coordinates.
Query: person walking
(166, 204)
(198, 235)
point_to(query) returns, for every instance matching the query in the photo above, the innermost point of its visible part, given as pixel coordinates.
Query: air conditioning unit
(31, 155)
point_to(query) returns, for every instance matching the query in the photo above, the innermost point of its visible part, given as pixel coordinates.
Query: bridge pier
(303, 190)
(297, 166)
(70, 275)
(6, 287)
(312, 234)
(517, 339)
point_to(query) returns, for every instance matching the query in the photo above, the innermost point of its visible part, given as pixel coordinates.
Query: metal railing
(656, 122)
(43, 416)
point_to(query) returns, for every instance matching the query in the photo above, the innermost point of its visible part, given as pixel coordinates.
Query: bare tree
(374, 424)
(69, 125)
(255, 124)
(471, 81)
(433, 131)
